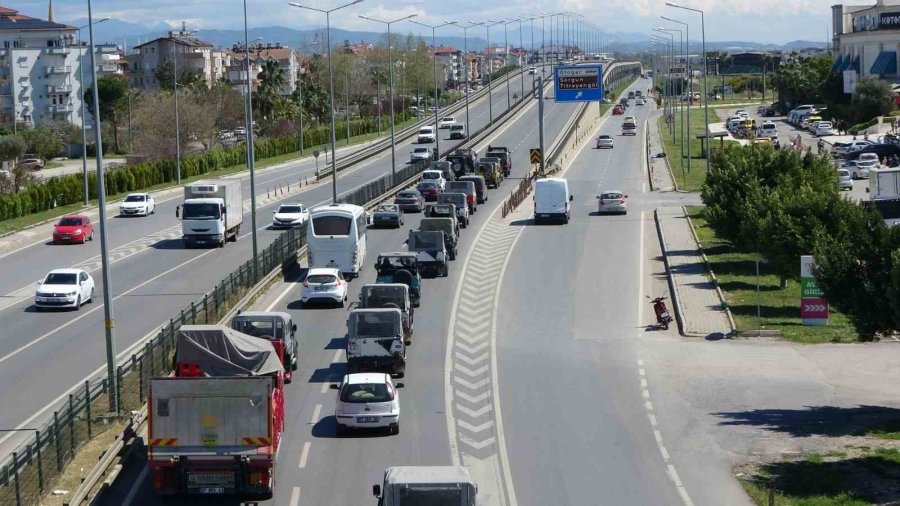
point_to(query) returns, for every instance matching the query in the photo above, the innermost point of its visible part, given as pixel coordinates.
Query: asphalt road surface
(153, 276)
(317, 468)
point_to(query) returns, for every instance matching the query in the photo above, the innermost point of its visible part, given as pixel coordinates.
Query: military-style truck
(447, 226)
(375, 341)
(400, 267)
(431, 251)
(388, 295)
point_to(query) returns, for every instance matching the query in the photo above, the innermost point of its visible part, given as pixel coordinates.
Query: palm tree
(271, 75)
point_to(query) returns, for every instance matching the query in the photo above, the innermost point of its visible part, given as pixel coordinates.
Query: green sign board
(810, 288)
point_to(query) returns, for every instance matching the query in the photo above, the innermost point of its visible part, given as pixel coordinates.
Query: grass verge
(30, 220)
(860, 476)
(779, 307)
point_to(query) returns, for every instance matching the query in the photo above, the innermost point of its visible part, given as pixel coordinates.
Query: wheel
(92, 235)
(91, 300)
(78, 303)
(153, 210)
(341, 430)
(341, 303)
(394, 429)
(445, 271)
(665, 325)
(222, 243)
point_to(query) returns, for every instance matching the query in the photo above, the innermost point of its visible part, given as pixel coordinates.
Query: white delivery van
(552, 200)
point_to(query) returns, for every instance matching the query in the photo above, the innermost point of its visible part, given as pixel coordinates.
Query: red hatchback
(429, 190)
(73, 228)
(618, 110)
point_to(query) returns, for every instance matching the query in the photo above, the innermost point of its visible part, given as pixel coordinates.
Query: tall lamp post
(490, 63)
(466, 64)
(437, 136)
(330, 85)
(84, 170)
(391, 85)
(690, 77)
(506, 57)
(251, 155)
(669, 74)
(705, 70)
(108, 314)
(300, 93)
(680, 102)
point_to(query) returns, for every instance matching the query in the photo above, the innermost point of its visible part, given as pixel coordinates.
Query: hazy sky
(775, 21)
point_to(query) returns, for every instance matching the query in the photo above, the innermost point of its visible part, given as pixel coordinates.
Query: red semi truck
(214, 425)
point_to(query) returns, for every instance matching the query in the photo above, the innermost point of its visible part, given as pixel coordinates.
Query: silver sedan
(612, 202)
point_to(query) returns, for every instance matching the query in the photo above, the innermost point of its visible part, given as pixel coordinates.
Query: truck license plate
(544, 215)
(212, 490)
(366, 419)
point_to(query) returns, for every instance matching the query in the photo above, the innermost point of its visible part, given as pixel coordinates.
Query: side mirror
(598, 196)
(571, 198)
(626, 196)
(294, 328)
(407, 343)
(399, 385)
(376, 490)
(333, 386)
(178, 211)
(273, 212)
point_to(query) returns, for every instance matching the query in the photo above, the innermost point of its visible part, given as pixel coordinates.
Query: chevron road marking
(474, 399)
(470, 361)
(478, 445)
(478, 385)
(472, 349)
(472, 373)
(474, 413)
(475, 428)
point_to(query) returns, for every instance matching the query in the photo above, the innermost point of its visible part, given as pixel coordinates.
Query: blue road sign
(582, 83)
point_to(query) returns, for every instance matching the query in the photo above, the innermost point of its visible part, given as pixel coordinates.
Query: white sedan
(446, 122)
(65, 288)
(324, 284)
(605, 141)
(290, 215)
(367, 401)
(419, 154)
(612, 202)
(138, 204)
(639, 101)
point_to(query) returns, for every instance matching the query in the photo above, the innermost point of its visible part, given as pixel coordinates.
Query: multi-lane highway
(315, 466)
(44, 354)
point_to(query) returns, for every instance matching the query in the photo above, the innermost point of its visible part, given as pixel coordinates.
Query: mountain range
(128, 35)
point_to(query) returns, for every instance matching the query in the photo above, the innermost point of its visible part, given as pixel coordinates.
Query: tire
(445, 271)
(394, 429)
(665, 325)
(340, 430)
(78, 303)
(91, 299)
(91, 238)
(341, 303)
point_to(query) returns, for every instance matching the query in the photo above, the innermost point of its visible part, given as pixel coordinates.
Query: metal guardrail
(26, 475)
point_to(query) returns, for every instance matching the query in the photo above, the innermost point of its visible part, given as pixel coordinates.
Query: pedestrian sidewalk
(660, 175)
(700, 310)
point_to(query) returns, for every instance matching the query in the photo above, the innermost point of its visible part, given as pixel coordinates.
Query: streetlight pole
(300, 94)
(490, 62)
(506, 62)
(669, 31)
(330, 85)
(705, 70)
(466, 66)
(108, 314)
(251, 156)
(669, 72)
(437, 136)
(84, 170)
(391, 91)
(690, 74)
(177, 128)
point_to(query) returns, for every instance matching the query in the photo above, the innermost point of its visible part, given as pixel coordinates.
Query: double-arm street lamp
(330, 85)
(391, 85)
(705, 69)
(84, 170)
(437, 137)
(490, 66)
(690, 77)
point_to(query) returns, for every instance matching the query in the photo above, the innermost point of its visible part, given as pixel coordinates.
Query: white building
(259, 54)
(866, 40)
(40, 69)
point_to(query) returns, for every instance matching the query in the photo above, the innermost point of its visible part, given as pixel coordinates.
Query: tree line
(782, 204)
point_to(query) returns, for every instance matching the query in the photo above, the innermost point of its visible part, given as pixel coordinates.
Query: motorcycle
(663, 319)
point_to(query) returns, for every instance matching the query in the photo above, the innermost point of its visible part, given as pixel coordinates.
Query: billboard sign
(850, 79)
(583, 83)
(813, 306)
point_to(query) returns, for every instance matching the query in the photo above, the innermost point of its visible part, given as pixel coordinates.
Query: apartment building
(286, 57)
(449, 61)
(866, 41)
(41, 66)
(183, 49)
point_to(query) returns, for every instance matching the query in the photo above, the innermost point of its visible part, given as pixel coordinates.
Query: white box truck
(212, 212)
(884, 193)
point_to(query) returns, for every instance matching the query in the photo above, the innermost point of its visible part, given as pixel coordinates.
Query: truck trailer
(214, 424)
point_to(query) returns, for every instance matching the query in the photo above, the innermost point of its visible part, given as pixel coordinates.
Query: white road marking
(326, 386)
(643, 383)
(99, 306)
(316, 413)
(295, 496)
(304, 455)
(652, 419)
(641, 371)
(337, 356)
(646, 394)
(283, 294)
(136, 486)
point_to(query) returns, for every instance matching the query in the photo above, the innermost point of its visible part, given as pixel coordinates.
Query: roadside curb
(673, 287)
(712, 275)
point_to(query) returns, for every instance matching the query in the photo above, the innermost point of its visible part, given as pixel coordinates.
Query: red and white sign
(813, 306)
(814, 309)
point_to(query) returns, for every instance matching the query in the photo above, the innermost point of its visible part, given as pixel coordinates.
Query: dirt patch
(84, 460)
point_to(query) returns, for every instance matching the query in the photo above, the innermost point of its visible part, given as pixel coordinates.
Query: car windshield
(407, 195)
(426, 186)
(135, 198)
(396, 262)
(365, 393)
(255, 328)
(292, 209)
(605, 137)
(61, 278)
(332, 225)
(844, 173)
(204, 211)
(431, 175)
(321, 278)
(386, 208)
(425, 131)
(69, 222)
(612, 195)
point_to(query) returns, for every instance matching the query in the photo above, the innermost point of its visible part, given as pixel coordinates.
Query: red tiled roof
(10, 19)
